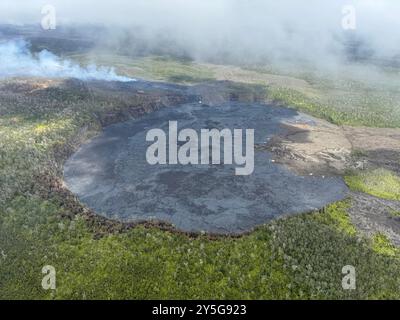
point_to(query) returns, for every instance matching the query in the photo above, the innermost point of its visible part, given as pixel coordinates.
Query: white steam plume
(17, 60)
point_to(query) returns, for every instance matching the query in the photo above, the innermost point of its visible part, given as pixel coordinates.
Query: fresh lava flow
(112, 175)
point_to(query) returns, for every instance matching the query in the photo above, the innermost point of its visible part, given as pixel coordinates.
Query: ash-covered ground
(110, 173)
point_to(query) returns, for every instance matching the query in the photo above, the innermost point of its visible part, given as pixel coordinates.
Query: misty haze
(88, 92)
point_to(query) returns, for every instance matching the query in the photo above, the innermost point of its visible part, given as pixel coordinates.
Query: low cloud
(231, 30)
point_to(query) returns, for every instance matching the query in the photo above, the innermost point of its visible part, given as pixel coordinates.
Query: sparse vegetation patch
(379, 182)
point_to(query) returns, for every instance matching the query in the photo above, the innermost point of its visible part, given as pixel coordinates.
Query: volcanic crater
(110, 173)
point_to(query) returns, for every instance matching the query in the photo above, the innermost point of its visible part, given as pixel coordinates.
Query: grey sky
(308, 28)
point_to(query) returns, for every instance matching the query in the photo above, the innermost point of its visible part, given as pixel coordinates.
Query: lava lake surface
(110, 174)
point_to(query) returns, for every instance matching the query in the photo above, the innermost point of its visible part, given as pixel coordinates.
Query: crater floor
(110, 174)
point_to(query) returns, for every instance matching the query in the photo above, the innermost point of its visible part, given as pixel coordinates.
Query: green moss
(296, 258)
(140, 264)
(382, 245)
(372, 113)
(394, 213)
(379, 182)
(301, 102)
(336, 215)
(153, 68)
